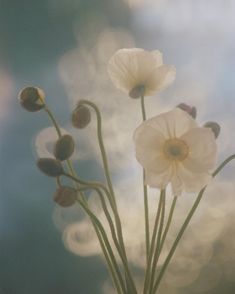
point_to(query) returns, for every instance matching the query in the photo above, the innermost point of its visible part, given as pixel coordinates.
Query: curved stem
(96, 186)
(106, 241)
(69, 164)
(110, 186)
(146, 209)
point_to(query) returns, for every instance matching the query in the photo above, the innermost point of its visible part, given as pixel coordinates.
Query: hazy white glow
(197, 36)
(6, 90)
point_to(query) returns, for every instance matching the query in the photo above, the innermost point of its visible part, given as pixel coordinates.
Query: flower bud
(137, 92)
(81, 117)
(64, 147)
(65, 196)
(214, 127)
(51, 167)
(191, 110)
(32, 99)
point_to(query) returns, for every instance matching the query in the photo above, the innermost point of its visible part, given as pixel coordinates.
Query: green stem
(157, 248)
(168, 223)
(186, 222)
(98, 224)
(153, 239)
(146, 209)
(69, 164)
(97, 186)
(110, 186)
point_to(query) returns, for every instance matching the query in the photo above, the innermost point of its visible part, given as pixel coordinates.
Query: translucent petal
(202, 150)
(129, 68)
(172, 124)
(158, 57)
(193, 182)
(149, 153)
(160, 77)
(160, 180)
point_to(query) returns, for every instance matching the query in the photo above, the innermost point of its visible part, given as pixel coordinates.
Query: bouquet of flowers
(172, 148)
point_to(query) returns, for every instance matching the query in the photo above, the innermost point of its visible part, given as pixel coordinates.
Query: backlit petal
(202, 149)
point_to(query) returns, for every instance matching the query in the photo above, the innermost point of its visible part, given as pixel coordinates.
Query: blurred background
(63, 46)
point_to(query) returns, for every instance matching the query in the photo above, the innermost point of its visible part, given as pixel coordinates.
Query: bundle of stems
(114, 250)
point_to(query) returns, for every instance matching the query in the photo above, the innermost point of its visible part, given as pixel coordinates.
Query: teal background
(33, 36)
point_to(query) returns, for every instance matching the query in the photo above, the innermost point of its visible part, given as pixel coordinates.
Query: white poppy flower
(173, 149)
(139, 72)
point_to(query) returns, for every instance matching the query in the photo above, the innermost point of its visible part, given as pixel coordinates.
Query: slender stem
(54, 122)
(186, 222)
(157, 248)
(101, 145)
(69, 164)
(168, 223)
(106, 241)
(110, 186)
(153, 239)
(223, 164)
(96, 186)
(146, 209)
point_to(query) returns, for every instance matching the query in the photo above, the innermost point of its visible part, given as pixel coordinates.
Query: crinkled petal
(161, 77)
(202, 150)
(176, 185)
(193, 182)
(149, 153)
(159, 180)
(158, 57)
(172, 124)
(129, 68)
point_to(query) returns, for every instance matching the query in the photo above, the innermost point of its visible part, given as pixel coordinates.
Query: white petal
(161, 77)
(176, 185)
(193, 182)
(158, 57)
(129, 68)
(202, 149)
(149, 153)
(159, 181)
(172, 124)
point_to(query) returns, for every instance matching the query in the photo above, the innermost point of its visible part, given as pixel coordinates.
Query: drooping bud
(137, 92)
(64, 147)
(51, 167)
(81, 117)
(191, 110)
(32, 99)
(65, 196)
(214, 126)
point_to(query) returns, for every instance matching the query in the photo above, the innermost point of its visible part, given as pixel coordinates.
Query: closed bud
(32, 99)
(214, 127)
(64, 147)
(191, 110)
(51, 167)
(81, 117)
(137, 92)
(65, 196)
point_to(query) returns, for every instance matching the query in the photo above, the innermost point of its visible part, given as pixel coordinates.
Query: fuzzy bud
(191, 110)
(81, 117)
(32, 99)
(51, 167)
(65, 196)
(214, 127)
(64, 147)
(137, 92)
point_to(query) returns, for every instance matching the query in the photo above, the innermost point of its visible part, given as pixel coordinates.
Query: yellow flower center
(175, 149)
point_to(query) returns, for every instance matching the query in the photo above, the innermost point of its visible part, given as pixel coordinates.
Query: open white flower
(173, 149)
(139, 72)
